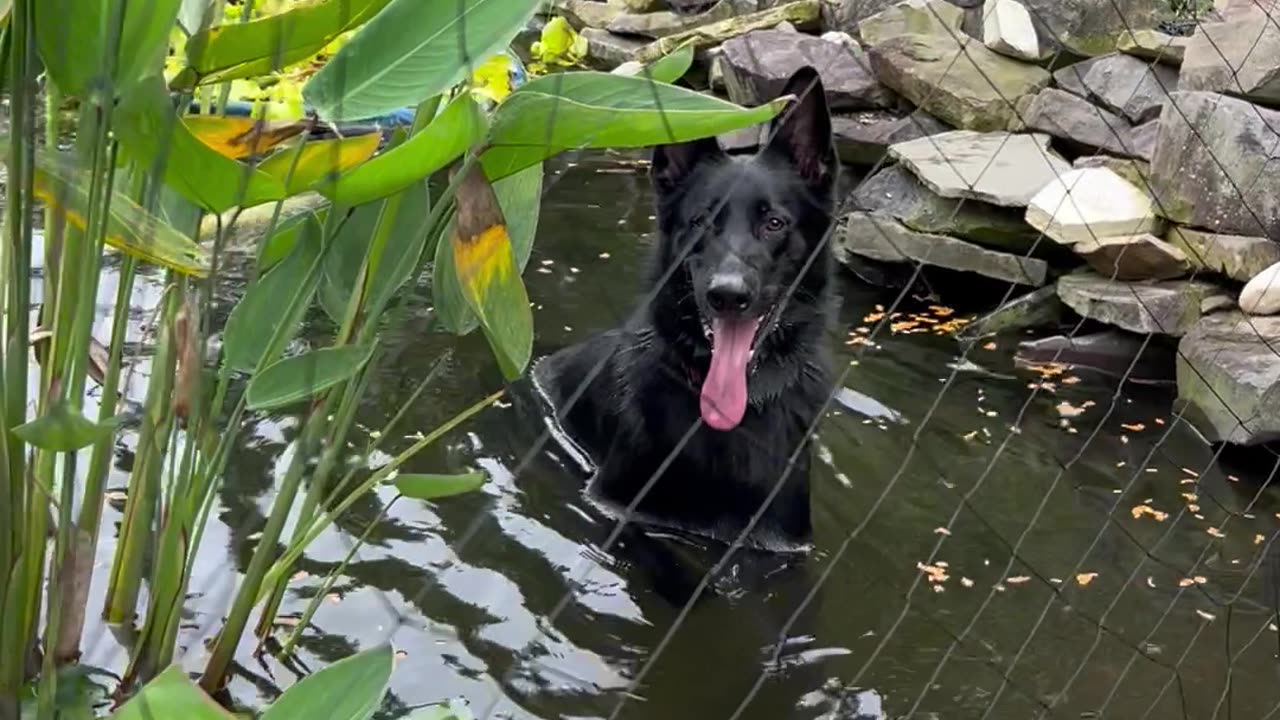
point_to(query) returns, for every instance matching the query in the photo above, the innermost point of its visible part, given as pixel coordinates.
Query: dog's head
(747, 232)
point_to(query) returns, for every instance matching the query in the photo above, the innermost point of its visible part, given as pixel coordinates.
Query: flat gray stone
(960, 82)
(1071, 78)
(1093, 27)
(896, 192)
(587, 13)
(1169, 308)
(1238, 56)
(661, 24)
(1038, 308)
(757, 66)
(1085, 205)
(1215, 166)
(606, 51)
(1137, 172)
(883, 238)
(1069, 117)
(1229, 378)
(1000, 168)
(845, 15)
(864, 138)
(1131, 87)
(1239, 257)
(909, 17)
(1134, 257)
(1153, 45)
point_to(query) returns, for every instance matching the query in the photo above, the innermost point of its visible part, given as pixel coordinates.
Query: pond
(989, 541)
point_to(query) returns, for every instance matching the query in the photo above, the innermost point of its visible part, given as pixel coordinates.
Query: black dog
(713, 386)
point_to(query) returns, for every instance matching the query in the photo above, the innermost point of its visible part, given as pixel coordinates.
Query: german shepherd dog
(704, 400)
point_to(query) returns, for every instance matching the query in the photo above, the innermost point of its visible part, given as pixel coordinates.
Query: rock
(882, 238)
(1008, 30)
(1142, 140)
(844, 15)
(1081, 123)
(895, 192)
(1134, 257)
(843, 38)
(911, 17)
(587, 13)
(1229, 379)
(1165, 308)
(1092, 27)
(757, 66)
(1261, 295)
(1239, 56)
(661, 24)
(1038, 308)
(803, 14)
(1137, 172)
(1131, 87)
(1112, 352)
(1214, 165)
(641, 6)
(1086, 204)
(785, 26)
(864, 138)
(997, 167)
(1153, 45)
(1217, 303)
(1071, 78)
(961, 82)
(1239, 257)
(606, 51)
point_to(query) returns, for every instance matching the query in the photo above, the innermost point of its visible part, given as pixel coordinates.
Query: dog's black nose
(728, 294)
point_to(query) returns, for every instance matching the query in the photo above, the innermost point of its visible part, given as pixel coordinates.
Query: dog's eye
(775, 224)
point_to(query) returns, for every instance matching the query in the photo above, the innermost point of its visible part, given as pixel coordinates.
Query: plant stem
(144, 482)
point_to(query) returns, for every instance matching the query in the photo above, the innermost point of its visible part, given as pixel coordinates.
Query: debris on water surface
(1133, 427)
(1140, 510)
(1067, 410)
(990, 346)
(1085, 578)
(1018, 579)
(1215, 532)
(1206, 615)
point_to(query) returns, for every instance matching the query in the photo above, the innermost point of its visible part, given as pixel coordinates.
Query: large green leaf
(434, 487)
(72, 39)
(350, 689)
(171, 695)
(62, 429)
(461, 124)
(130, 228)
(485, 263)
(671, 67)
(248, 49)
(520, 197)
(286, 235)
(151, 133)
(255, 319)
(299, 377)
(399, 258)
(601, 110)
(412, 50)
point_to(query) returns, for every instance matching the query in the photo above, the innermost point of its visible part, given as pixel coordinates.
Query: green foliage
(349, 689)
(63, 429)
(434, 487)
(385, 68)
(141, 177)
(302, 376)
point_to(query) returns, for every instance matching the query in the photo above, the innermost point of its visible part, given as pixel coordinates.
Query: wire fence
(1087, 605)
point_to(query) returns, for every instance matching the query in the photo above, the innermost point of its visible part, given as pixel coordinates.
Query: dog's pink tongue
(724, 392)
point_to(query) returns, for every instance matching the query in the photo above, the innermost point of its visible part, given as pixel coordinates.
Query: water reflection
(913, 599)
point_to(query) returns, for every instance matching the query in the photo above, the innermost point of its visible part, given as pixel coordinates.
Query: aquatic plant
(187, 114)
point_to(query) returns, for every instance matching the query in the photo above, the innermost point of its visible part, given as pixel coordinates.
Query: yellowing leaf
(319, 161)
(239, 137)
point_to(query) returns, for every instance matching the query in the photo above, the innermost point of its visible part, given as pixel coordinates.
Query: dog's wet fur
(747, 236)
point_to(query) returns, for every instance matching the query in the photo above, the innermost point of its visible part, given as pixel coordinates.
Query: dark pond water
(976, 553)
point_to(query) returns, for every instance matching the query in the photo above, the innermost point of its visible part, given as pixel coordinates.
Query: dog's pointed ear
(673, 164)
(801, 133)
